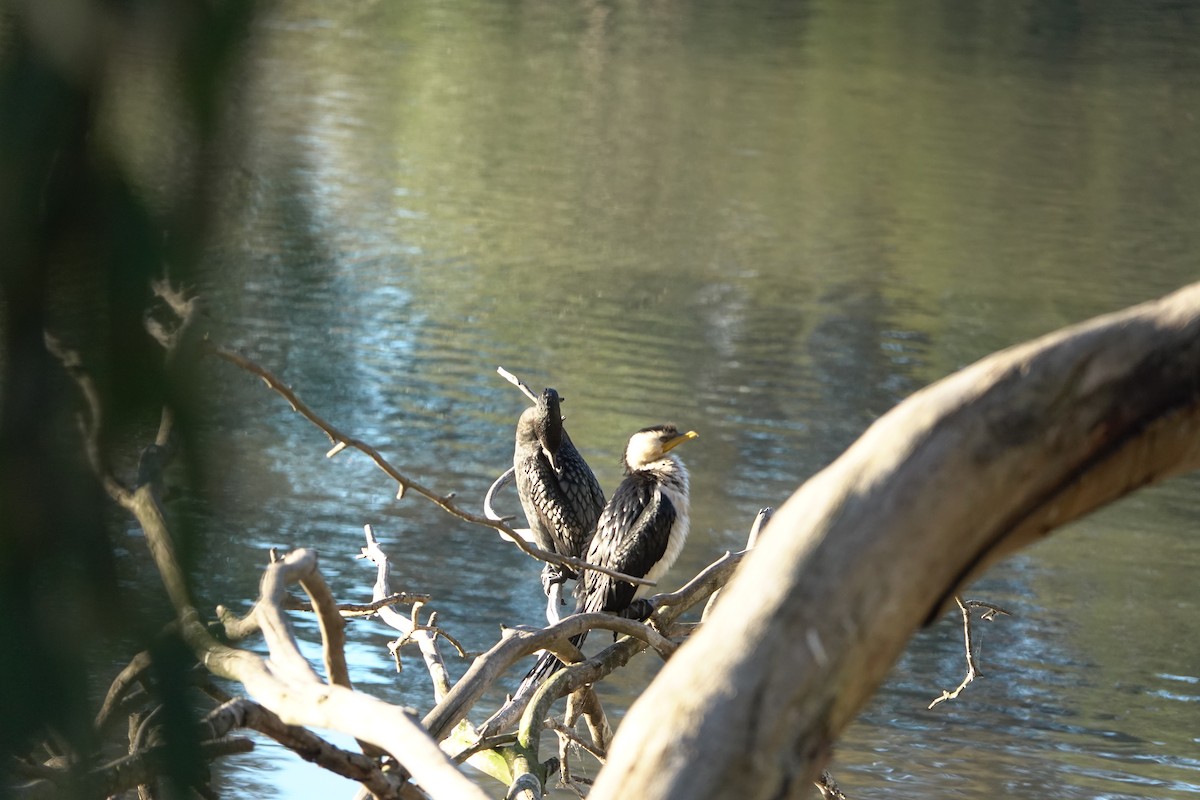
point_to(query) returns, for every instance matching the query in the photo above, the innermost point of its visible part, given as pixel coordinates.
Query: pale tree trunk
(962, 473)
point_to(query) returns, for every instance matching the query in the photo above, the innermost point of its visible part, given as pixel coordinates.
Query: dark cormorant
(561, 497)
(641, 531)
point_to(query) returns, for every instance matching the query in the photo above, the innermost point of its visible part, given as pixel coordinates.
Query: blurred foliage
(82, 244)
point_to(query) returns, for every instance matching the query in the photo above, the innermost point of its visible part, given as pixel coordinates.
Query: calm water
(766, 221)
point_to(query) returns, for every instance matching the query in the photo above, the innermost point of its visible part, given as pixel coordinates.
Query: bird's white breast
(674, 487)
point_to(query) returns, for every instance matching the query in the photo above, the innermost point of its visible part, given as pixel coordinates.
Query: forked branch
(965, 606)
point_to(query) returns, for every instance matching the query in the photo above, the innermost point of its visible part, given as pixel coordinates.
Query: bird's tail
(506, 717)
(546, 665)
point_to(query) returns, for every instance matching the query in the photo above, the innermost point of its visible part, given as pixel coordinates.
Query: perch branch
(667, 608)
(516, 643)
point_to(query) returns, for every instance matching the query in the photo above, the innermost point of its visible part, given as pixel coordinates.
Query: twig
(424, 635)
(972, 668)
(237, 628)
(828, 787)
(990, 610)
(352, 610)
(517, 643)
(125, 680)
(520, 384)
(574, 738)
(582, 702)
(585, 703)
(756, 528)
(488, 511)
(425, 643)
(554, 601)
(666, 609)
(486, 743)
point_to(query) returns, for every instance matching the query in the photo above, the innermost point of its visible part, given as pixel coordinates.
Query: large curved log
(960, 474)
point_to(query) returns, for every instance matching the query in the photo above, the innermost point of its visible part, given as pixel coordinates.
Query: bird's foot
(553, 574)
(639, 609)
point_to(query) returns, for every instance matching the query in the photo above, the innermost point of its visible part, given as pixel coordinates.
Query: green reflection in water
(768, 221)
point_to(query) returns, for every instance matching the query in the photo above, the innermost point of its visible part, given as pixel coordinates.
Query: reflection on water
(765, 221)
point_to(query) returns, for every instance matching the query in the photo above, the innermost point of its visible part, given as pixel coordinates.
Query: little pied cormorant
(641, 531)
(644, 525)
(559, 493)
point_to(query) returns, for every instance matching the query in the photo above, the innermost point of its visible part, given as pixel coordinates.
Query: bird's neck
(667, 469)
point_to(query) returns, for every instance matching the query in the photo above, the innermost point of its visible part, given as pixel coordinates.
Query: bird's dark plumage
(559, 493)
(644, 525)
(641, 531)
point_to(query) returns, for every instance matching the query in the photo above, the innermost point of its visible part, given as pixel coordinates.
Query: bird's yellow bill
(678, 440)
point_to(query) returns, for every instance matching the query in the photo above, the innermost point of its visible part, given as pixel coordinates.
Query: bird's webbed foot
(639, 609)
(554, 574)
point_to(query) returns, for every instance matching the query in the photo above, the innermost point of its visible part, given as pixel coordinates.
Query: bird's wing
(631, 537)
(582, 493)
(541, 499)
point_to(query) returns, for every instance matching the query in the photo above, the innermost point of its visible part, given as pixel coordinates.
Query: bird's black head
(549, 420)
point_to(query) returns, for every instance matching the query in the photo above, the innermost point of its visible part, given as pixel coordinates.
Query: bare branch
(91, 419)
(517, 643)
(244, 713)
(829, 788)
(332, 626)
(287, 686)
(568, 739)
(445, 502)
(286, 659)
(125, 680)
(183, 306)
(760, 522)
(485, 743)
(525, 787)
(666, 609)
(352, 610)
(424, 636)
(973, 671)
(583, 702)
(125, 773)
